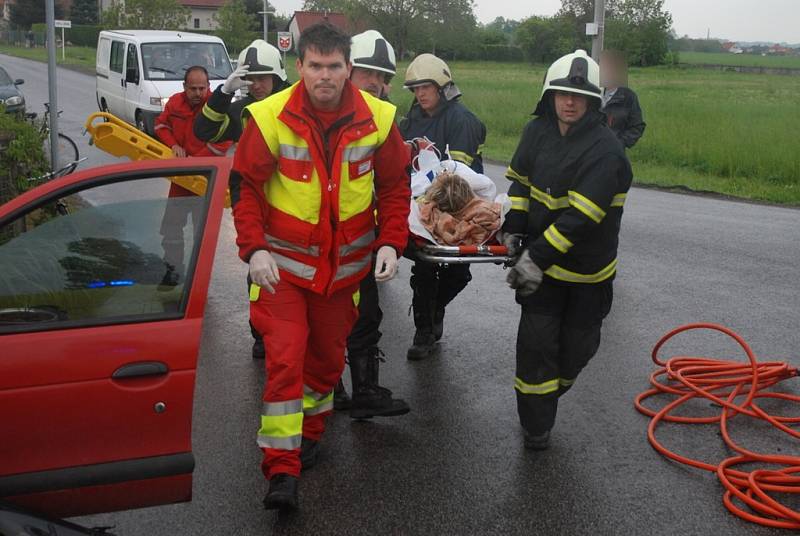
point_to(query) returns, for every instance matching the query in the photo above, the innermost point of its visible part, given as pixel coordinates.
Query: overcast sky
(738, 20)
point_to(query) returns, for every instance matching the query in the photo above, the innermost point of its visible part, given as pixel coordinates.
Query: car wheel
(103, 105)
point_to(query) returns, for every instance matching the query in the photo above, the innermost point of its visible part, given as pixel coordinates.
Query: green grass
(750, 60)
(80, 57)
(726, 132)
(731, 133)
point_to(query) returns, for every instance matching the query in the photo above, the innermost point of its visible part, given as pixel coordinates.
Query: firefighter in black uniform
(260, 69)
(437, 114)
(373, 68)
(570, 177)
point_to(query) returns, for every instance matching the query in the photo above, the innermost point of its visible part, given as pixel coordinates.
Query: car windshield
(169, 61)
(5, 80)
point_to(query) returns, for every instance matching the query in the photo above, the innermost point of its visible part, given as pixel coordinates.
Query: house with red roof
(303, 19)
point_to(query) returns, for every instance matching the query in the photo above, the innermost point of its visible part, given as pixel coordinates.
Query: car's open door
(103, 282)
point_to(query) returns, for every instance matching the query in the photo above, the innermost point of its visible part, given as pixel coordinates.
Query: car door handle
(139, 369)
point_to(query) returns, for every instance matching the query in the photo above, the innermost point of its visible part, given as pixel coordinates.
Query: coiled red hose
(749, 495)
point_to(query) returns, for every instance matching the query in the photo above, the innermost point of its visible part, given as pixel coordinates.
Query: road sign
(284, 41)
(63, 23)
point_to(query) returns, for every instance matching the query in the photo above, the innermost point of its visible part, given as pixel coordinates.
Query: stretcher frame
(476, 254)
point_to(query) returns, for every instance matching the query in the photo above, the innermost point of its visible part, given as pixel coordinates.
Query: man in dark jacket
(373, 68)
(260, 70)
(438, 115)
(570, 178)
(620, 103)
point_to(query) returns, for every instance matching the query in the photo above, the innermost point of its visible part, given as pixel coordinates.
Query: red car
(103, 283)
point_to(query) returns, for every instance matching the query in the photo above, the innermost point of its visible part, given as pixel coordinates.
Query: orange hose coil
(722, 382)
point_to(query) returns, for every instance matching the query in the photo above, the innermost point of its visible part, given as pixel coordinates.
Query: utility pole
(600, 23)
(50, 16)
(266, 20)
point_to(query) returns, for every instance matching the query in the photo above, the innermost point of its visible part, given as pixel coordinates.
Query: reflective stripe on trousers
(281, 425)
(315, 403)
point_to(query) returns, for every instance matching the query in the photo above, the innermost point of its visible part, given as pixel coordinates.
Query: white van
(139, 70)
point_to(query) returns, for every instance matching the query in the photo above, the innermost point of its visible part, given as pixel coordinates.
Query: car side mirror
(19, 81)
(132, 76)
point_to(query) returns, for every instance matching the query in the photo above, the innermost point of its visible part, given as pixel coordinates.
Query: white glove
(525, 276)
(236, 80)
(264, 270)
(385, 263)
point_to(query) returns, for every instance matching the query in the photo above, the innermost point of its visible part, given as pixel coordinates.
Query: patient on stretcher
(454, 215)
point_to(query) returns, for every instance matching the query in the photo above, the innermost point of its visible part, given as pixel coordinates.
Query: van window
(132, 63)
(117, 51)
(169, 61)
(103, 51)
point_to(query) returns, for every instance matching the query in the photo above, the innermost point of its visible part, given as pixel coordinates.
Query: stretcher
(111, 134)
(426, 167)
(485, 253)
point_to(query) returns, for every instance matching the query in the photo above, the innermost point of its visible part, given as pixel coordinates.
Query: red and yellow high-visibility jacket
(306, 195)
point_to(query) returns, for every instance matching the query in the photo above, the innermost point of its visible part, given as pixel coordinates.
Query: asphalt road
(455, 464)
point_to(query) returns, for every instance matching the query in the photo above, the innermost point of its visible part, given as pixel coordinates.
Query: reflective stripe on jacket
(319, 223)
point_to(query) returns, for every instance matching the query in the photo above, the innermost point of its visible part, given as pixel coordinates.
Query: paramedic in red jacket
(302, 194)
(173, 127)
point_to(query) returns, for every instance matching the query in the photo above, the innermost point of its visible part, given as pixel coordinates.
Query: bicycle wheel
(67, 155)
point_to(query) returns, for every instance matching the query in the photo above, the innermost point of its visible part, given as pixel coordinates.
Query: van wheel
(103, 105)
(140, 122)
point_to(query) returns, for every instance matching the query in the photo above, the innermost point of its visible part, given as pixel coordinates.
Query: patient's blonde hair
(449, 192)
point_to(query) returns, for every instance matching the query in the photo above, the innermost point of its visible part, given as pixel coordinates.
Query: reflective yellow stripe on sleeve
(587, 206)
(520, 203)
(212, 114)
(461, 156)
(557, 240)
(553, 203)
(562, 274)
(514, 176)
(619, 200)
(550, 386)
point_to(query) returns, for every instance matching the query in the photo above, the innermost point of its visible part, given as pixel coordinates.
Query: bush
(21, 155)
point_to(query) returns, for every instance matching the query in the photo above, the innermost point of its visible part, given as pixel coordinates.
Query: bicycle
(68, 156)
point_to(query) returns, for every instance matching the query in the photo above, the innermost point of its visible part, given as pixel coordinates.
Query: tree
(83, 12)
(544, 39)
(235, 26)
(641, 29)
(25, 13)
(150, 14)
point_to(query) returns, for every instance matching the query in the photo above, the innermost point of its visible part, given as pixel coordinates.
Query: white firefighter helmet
(262, 58)
(574, 73)
(428, 69)
(369, 50)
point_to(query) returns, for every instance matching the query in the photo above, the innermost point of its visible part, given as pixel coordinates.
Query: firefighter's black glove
(512, 241)
(524, 276)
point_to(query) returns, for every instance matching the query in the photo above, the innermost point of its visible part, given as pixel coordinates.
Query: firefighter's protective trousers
(559, 332)
(304, 335)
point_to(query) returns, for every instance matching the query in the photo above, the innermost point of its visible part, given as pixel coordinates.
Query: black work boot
(369, 398)
(424, 338)
(537, 442)
(309, 453)
(424, 346)
(282, 494)
(341, 400)
(438, 321)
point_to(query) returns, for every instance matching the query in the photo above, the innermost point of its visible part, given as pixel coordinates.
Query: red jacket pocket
(297, 170)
